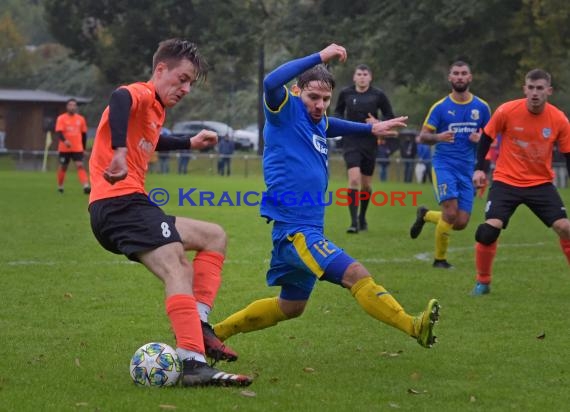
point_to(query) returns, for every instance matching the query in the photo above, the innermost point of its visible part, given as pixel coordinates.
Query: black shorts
(362, 158)
(130, 225)
(543, 200)
(66, 157)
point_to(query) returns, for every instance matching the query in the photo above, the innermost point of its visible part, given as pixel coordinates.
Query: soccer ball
(155, 364)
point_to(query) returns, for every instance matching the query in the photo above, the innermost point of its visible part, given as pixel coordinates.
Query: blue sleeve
(273, 83)
(340, 127)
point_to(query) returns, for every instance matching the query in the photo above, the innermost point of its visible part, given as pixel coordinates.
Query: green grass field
(72, 314)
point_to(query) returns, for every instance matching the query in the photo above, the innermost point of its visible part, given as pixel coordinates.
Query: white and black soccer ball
(155, 364)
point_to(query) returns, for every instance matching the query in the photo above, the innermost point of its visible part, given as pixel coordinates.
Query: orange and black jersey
(525, 154)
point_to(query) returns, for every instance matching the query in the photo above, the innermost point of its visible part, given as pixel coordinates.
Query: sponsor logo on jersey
(145, 145)
(320, 144)
(463, 127)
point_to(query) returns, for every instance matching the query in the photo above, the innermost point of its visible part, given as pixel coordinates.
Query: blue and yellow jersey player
(295, 162)
(453, 125)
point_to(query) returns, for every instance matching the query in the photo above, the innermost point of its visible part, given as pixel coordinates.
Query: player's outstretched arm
(333, 51)
(341, 127)
(390, 127)
(274, 81)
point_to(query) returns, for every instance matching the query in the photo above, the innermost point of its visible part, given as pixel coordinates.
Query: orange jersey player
(71, 131)
(523, 175)
(125, 221)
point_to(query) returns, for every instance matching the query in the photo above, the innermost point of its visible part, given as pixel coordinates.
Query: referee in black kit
(360, 103)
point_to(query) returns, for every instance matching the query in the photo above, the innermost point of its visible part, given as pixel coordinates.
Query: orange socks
(484, 256)
(82, 174)
(565, 244)
(207, 276)
(183, 314)
(60, 176)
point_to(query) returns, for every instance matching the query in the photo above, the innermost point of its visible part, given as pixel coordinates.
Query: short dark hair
(363, 67)
(318, 73)
(172, 51)
(459, 63)
(539, 74)
(70, 100)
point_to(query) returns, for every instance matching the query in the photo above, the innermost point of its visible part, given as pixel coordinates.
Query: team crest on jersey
(546, 132)
(320, 144)
(475, 114)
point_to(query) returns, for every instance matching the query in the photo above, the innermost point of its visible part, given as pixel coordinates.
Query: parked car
(193, 127)
(247, 138)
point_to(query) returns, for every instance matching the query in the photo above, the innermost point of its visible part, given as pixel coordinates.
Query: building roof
(39, 96)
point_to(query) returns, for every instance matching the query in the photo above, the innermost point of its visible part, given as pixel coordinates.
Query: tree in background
(412, 44)
(14, 58)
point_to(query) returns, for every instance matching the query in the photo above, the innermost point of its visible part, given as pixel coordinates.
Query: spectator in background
(226, 150)
(183, 159)
(408, 151)
(164, 157)
(559, 167)
(383, 159)
(423, 167)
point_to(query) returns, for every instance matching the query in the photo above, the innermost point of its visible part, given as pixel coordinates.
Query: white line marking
(424, 257)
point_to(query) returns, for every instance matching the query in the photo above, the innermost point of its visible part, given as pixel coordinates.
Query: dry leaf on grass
(391, 354)
(77, 363)
(165, 406)
(249, 394)
(308, 370)
(416, 376)
(413, 391)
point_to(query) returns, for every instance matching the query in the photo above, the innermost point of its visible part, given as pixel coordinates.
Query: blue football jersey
(294, 164)
(463, 118)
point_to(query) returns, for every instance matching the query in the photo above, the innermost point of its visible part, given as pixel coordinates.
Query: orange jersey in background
(145, 121)
(525, 154)
(72, 126)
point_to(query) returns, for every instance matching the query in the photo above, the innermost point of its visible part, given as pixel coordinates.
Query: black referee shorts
(130, 225)
(543, 200)
(361, 157)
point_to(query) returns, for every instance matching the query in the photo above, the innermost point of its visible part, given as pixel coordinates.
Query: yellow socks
(442, 231)
(380, 304)
(432, 216)
(258, 315)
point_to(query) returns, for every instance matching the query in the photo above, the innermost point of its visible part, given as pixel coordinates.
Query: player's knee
(217, 238)
(487, 234)
(460, 224)
(292, 308)
(293, 312)
(562, 228)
